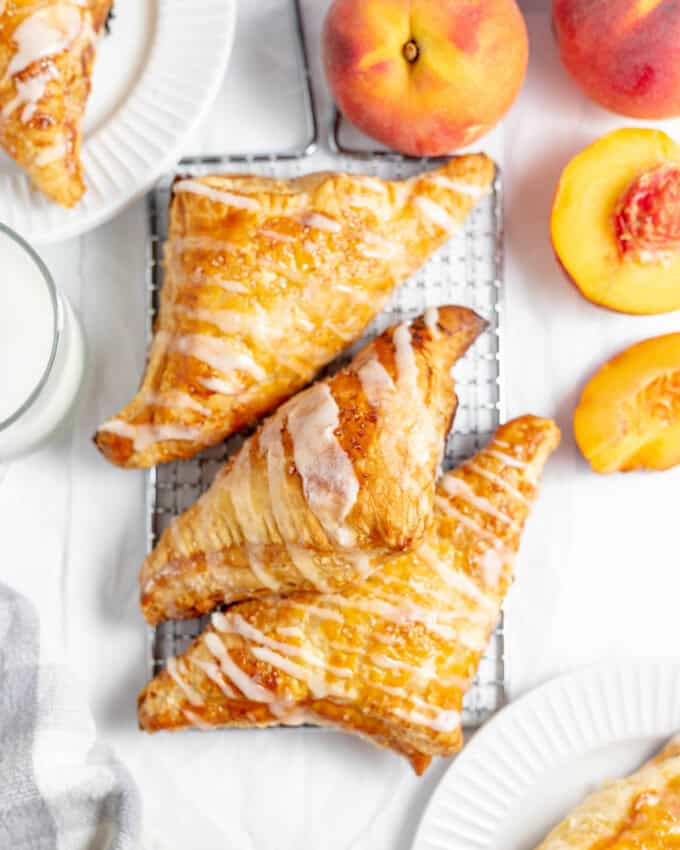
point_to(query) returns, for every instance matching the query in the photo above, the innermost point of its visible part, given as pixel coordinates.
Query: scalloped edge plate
(538, 757)
(156, 77)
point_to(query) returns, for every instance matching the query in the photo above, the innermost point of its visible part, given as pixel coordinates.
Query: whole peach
(424, 77)
(624, 54)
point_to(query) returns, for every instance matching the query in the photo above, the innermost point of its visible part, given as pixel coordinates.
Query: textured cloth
(59, 789)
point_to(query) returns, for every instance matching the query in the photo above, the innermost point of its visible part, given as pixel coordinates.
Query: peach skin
(424, 77)
(624, 54)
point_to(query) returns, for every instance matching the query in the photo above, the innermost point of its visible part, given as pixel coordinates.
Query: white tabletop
(598, 572)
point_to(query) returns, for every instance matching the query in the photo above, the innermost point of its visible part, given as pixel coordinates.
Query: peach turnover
(629, 414)
(615, 223)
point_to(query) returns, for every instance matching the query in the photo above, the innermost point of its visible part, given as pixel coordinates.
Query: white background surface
(599, 570)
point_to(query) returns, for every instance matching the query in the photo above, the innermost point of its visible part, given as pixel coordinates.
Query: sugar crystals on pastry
(390, 658)
(267, 281)
(47, 50)
(340, 477)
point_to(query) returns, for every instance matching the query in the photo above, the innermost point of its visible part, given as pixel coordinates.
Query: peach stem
(410, 51)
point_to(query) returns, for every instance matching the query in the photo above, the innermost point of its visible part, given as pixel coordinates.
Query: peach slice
(629, 414)
(615, 223)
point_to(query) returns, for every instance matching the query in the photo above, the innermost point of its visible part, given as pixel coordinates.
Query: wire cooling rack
(467, 271)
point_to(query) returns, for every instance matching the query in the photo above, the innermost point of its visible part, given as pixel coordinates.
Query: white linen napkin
(59, 788)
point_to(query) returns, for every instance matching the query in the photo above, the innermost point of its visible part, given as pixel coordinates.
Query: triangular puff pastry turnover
(340, 477)
(266, 282)
(640, 812)
(389, 659)
(47, 50)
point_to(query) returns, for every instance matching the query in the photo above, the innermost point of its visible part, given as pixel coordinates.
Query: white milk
(42, 352)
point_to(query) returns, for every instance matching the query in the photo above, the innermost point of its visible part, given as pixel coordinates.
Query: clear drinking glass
(42, 349)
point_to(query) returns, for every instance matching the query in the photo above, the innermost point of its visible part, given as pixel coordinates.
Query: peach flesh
(647, 220)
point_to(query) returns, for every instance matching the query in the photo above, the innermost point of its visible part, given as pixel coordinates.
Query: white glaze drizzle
(47, 32)
(219, 196)
(204, 242)
(317, 610)
(212, 671)
(506, 459)
(275, 236)
(174, 399)
(496, 479)
(271, 445)
(228, 285)
(320, 222)
(443, 598)
(218, 354)
(491, 564)
(232, 322)
(376, 382)
(328, 478)
(291, 631)
(456, 578)
(281, 651)
(446, 507)
(400, 614)
(437, 621)
(197, 721)
(316, 684)
(407, 368)
(443, 721)
(435, 213)
(431, 318)
(460, 186)
(456, 487)
(146, 435)
(29, 93)
(218, 385)
(373, 183)
(248, 687)
(176, 669)
(51, 154)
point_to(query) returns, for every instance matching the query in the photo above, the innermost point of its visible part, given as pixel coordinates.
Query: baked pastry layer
(640, 812)
(269, 280)
(339, 478)
(47, 50)
(389, 659)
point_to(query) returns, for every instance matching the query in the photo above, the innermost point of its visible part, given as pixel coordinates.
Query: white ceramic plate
(539, 757)
(156, 75)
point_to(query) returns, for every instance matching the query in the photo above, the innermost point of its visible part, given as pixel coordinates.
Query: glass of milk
(42, 350)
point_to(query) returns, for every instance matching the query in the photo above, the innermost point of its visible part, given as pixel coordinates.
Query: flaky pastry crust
(341, 477)
(47, 51)
(267, 281)
(389, 659)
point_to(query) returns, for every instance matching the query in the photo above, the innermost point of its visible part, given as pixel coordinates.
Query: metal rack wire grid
(468, 271)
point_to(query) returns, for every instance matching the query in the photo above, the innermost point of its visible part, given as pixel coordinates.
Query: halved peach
(629, 414)
(615, 223)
